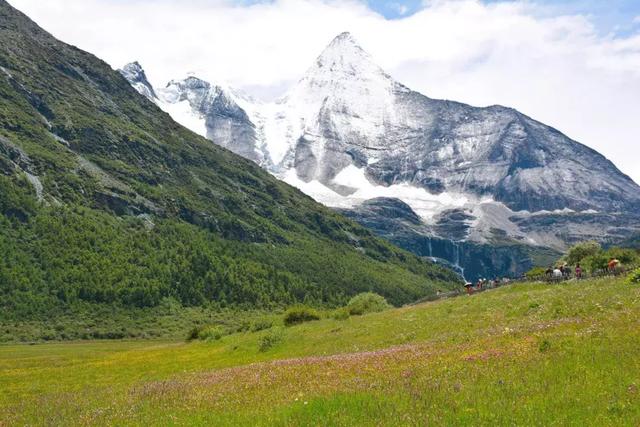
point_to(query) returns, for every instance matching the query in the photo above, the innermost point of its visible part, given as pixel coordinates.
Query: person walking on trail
(613, 265)
(578, 272)
(468, 286)
(557, 274)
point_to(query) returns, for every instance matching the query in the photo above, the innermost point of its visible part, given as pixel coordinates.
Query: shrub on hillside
(582, 250)
(193, 333)
(625, 256)
(211, 333)
(596, 262)
(270, 339)
(634, 277)
(341, 314)
(367, 302)
(205, 333)
(535, 272)
(261, 325)
(300, 314)
(593, 258)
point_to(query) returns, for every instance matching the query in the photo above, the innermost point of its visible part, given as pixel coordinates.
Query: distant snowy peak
(412, 168)
(188, 86)
(135, 74)
(344, 59)
(343, 99)
(201, 92)
(215, 112)
(209, 110)
(345, 78)
(197, 92)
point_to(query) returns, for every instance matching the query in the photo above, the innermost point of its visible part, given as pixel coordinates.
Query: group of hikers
(554, 274)
(564, 272)
(485, 284)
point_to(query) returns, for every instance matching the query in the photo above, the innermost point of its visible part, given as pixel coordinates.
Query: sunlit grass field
(527, 354)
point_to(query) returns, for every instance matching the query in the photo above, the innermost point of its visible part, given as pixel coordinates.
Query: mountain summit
(344, 97)
(347, 133)
(344, 58)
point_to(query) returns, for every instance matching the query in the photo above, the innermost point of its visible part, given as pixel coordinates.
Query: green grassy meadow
(527, 354)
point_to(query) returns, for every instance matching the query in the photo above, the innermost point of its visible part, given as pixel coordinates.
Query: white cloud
(637, 19)
(557, 69)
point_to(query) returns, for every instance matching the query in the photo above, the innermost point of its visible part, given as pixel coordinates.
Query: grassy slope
(530, 354)
(218, 228)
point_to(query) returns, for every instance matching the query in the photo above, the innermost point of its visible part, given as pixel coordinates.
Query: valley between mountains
(190, 255)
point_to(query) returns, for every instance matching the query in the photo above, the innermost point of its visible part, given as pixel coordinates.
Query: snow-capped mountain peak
(189, 83)
(342, 66)
(343, 96)
(343, 57)
(215, 112)
(134, 73)
(192, 89)
(133, 70)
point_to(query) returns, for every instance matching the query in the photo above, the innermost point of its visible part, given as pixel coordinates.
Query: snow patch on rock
(424, 204)
(182, 113)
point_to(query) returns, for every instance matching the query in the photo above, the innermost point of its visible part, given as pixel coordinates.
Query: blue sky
(396, 9)
(609, 15)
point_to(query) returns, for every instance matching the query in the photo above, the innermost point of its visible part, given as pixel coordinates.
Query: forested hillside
(105, 200)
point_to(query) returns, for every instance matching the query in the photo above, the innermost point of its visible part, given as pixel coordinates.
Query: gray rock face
(481, 179)
(226, 123)
(501, 153)
(395, 221)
